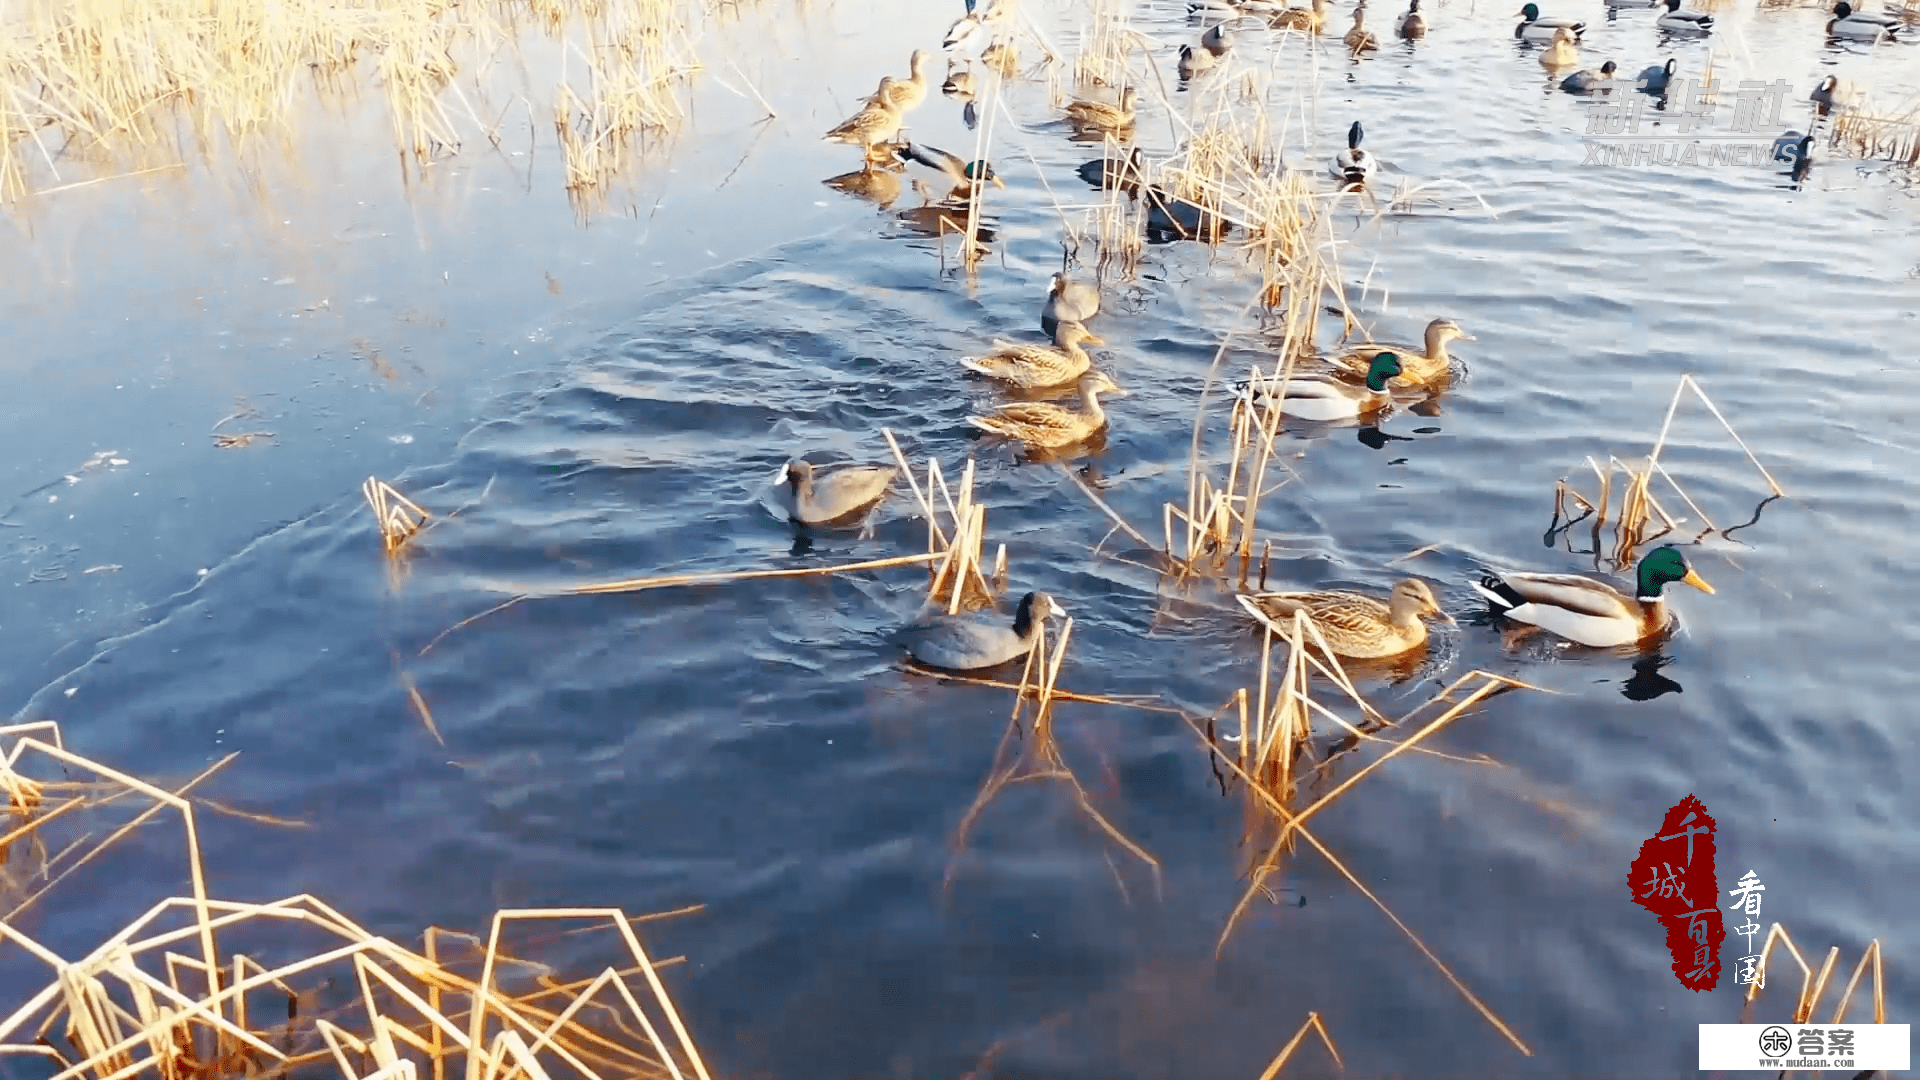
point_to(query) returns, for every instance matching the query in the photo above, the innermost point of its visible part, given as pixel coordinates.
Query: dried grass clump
(1885, 138)
(1633, 517)
(398, 516)
(334, 998)
(93, 85)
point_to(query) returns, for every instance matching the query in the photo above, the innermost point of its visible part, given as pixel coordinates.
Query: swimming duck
(1001, 56)
(963, 174)
(967, 28)
(1044, 425)
(1860, 26)
(1632, 3)
(1194, 62)
(1590, 612)
(1412, 24)
(1798, 154)
(969, 642)
(1654, 80)
(1033, 366)
(1322, 400)
(1561, 54)
(1068, 301)
(1217, 40)
(904, 94)
(1355, 625)
(1359, 39)
(1312, 19)
(872, 126)
(1124, 173)
(1353, 164)
(1534, 28)
(1588, 82)
(1832, 94)
(1692, 22)
(1171, 218)
(1417, 364)
(1099, 114)
(813, 500)
(959, 84)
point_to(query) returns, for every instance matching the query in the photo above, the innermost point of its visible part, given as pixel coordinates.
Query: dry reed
(1813, 986)
(352, 1001)
(1316, 1026)
(399, 517)
(1637, 506)
(136, 85)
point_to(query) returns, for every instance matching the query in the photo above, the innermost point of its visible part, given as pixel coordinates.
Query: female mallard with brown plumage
(1312, 20)
(904, 94)
(1043, 425)
(873, 126)
(1590, 612)
(1104, 116)
(1355, 625)
(1032, 366)
(1417, 365)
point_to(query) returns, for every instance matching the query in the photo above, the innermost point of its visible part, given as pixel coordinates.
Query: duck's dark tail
(1498, 593)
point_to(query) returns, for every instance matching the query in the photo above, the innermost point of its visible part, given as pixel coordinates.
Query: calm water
(610, 400)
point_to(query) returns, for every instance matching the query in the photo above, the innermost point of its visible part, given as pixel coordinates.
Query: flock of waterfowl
(1360, 381)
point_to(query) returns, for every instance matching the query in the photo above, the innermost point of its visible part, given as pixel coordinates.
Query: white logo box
(1776, 1047)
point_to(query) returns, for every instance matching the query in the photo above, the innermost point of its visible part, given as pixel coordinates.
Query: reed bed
(136, 85)
(1887, 138)
(1634, 515)
(1813, 986)
(161, 998)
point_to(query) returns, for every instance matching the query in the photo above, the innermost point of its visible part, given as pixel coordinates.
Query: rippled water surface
(610, 400)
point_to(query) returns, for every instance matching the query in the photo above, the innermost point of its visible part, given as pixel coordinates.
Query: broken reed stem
(399, 517)
(673, 580)
(1313, 1024)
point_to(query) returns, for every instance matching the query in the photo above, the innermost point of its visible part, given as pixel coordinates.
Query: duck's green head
(1531, 13)
(1663, 566)
(1384, 367)
(979, 170)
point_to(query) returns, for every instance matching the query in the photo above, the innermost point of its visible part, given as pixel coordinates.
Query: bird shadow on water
(1646, 682)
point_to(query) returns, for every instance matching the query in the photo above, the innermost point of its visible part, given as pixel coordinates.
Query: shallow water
(610, 401)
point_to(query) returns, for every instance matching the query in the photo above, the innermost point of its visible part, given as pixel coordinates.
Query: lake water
(609, 399)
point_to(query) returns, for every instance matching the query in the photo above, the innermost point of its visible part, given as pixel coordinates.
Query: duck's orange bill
(1697, 582)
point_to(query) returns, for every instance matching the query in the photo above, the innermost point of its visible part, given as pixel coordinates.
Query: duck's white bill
(1054, 608)
(782, 476)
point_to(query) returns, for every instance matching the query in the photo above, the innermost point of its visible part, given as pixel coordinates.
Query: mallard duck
(1195, 62)
(1632, 3)
(1412, 24)
(872, 126)
(1127, 173)
(1001, 56)
(878, 185)
(841, 494)
(1687, 22)
(1044, 425)
(1560, 54)
(1068, 301)
(1799, 154)
(904, 94)
(1654, 80)
(1032, 366)
(1355, 625)
(1171, 218)
(1353, 164)
(962, 174)
(1100, 115)
(1833, 94)
(959, 84)
(1322, 400)
(1860, 26)
(1312, 20)
(972, 641)
(1534, 28)
(1590, 612)
(1589, 82)
(1359, 39)
(1417, 364)
(1217, 39)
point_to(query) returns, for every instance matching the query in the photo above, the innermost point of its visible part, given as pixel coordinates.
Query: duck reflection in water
(1375, 439)
(879, 185)
(942, 219)
(1647, 683)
